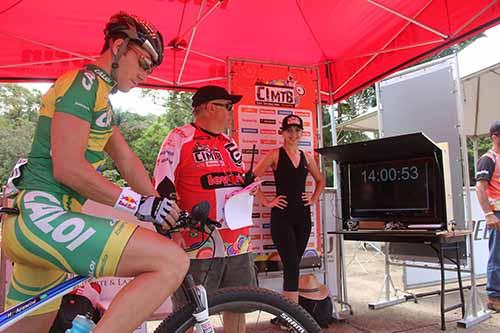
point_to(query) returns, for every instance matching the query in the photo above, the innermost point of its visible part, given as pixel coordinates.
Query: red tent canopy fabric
(354, 43)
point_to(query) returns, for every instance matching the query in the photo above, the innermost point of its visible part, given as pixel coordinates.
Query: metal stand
(387, 287)
(475, 311)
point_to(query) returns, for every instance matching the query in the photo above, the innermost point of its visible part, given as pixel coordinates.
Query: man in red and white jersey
(199, 162)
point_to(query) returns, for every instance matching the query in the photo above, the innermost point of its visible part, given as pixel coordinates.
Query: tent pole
(193, 33)
(475, 152)
(473, 18)
(475, 312)
(200, 19)
(383, 48)
(409, 19)
(341, 268)
(201, 54)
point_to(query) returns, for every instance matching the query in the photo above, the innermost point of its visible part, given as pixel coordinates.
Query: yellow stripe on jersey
(44, 246)
(60, 87)
(15, 250)
(108, 261)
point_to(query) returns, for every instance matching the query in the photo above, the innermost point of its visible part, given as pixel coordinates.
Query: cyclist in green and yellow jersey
(51, 237)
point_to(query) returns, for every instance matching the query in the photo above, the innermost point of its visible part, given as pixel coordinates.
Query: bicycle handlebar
(196, 220)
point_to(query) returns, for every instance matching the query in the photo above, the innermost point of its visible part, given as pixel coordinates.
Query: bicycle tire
(244, 300)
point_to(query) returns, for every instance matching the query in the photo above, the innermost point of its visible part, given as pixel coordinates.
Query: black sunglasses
(228, 106)
(144, 63)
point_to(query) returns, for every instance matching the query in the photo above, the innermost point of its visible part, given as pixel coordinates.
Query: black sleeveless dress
(291, 227)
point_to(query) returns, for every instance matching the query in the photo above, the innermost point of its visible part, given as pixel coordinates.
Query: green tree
(177, 113)
(18, 114)
(17, 102)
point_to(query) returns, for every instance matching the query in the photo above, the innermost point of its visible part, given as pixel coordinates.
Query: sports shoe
(494, 303)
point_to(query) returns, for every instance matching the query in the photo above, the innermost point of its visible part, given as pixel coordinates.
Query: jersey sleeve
(76, 94)
(485, 168)
(166, 164)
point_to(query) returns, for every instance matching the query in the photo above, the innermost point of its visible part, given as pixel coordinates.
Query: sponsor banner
(271, 92)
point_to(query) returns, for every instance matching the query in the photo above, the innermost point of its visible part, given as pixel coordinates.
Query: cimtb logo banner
(285, 93)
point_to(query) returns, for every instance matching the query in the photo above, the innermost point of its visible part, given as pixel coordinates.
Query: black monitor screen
(401, 188)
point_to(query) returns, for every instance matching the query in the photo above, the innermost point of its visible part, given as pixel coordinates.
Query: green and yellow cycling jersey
(83, 93)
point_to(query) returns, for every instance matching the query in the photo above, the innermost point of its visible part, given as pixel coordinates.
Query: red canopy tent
(355, 43)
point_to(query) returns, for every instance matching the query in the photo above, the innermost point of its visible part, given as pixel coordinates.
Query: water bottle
(82, 324)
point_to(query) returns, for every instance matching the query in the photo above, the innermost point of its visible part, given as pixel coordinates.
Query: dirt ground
(365, 277)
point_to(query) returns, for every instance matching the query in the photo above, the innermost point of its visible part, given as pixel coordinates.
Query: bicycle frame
(12, 315)
(18, 312)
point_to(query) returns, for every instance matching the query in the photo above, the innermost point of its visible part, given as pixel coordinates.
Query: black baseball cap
(292, 120)
(209, 93)
(495, 128)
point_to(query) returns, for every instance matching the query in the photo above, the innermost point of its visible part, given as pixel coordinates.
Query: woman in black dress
(291, 208)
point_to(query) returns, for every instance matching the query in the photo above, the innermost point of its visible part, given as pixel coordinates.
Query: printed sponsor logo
(266, 225)
(104, 120)
(306, 133)
(250, 151)
(267, 237)
(249, 130)
(267, 131)
(91, 268)
(266, 215)
(268, 121)
(249, 120)
(307, 123)
(269, 183)
(207, 155)
(269, 247)
(304, 144)
(255, 237)
(128, 202)
(103, 75)
(302, 113)
(274, 95)
(255, 215)
(309, 183)
(251, 141)
(267, 111)
(180, 132)
(234, 153)
(293, 323)
(72, 232)
(268, 141)
(265, 152)
(87, 80)
(220, 180)
(285, 112)
(201, 138)
(248, 110)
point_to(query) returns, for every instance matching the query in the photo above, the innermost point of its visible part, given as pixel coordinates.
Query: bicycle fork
(198, 296)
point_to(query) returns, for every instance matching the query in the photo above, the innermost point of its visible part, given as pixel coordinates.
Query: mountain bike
(202, 312)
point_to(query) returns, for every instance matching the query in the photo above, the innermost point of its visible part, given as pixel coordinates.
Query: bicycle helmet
(135, 29)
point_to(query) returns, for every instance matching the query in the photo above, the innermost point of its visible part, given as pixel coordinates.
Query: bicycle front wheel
(258, 306)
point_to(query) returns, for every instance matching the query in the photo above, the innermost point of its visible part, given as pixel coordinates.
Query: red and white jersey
(202, 166)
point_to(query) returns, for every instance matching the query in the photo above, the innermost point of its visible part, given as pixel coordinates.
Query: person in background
(200, 163)
(291, 208)
(488, 194)
(51, 237)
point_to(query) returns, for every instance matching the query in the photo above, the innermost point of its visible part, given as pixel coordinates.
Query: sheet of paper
(238, 207)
